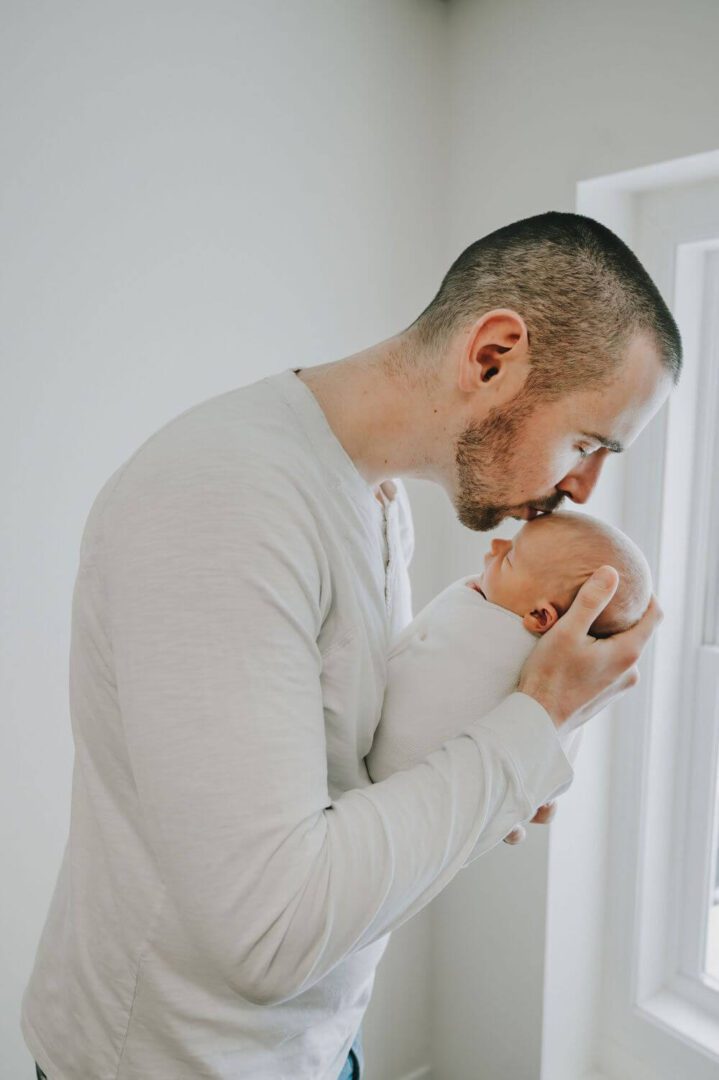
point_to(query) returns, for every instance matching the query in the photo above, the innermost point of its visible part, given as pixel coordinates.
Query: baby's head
(539, 572)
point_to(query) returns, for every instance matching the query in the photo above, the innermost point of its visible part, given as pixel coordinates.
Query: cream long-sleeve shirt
(231, 874)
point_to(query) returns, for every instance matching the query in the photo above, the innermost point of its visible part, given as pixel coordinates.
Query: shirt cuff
(528, 734)
(533, 744)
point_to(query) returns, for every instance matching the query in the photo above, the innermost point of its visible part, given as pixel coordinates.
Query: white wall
(193, 196)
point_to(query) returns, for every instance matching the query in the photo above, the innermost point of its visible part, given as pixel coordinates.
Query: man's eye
(583, 452)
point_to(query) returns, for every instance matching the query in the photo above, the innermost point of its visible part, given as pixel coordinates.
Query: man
(232, 875)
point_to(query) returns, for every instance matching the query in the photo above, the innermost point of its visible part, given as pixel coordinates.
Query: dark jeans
(352, 1070)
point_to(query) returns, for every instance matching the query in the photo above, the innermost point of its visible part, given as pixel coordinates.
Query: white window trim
(658, 1022)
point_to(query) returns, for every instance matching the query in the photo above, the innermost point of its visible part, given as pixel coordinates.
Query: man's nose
(579, 484)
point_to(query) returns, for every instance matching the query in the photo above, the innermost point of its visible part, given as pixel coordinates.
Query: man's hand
(543, 815)
(574, 676)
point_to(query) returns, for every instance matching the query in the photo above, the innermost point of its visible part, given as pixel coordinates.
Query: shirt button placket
(389, 523)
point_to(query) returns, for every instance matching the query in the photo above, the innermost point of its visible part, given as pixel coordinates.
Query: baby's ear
(541, 618)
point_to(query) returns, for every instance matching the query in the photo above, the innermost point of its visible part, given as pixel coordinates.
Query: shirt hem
(36, 1048)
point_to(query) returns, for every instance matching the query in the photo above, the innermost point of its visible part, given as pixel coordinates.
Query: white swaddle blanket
(459, 657)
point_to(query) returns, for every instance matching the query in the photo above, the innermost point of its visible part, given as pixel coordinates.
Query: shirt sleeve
(216, 600)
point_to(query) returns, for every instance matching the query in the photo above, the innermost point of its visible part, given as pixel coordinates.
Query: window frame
(702, 659)
(658, 1017)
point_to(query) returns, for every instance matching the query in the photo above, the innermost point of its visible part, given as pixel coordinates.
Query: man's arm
(215, 608)
(546, 812)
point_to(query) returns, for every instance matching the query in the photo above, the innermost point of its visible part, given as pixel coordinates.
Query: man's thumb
(593, 597)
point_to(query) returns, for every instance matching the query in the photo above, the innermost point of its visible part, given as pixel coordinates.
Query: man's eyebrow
(611, 444)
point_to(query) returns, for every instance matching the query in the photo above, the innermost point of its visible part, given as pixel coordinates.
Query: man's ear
(495, 355)
(541, 618)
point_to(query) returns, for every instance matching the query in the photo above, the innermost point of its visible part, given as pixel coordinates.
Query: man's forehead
(614, 415)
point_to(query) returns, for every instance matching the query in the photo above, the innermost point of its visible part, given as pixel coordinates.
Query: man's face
(529, 455)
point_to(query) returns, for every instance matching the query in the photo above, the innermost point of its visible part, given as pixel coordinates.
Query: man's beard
(485, 458)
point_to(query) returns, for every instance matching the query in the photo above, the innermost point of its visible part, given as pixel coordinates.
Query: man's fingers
(612, 693)
(634, 639)
(590, 601)
(545, 813)
(516, 836)
(631, 678)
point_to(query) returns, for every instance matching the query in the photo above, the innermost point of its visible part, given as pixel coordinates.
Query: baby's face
(515, 570)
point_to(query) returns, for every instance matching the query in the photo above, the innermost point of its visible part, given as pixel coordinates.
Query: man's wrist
(527, 731)
(551, 706)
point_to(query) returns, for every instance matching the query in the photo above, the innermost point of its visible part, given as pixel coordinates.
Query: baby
(464, 652)
(538, 574)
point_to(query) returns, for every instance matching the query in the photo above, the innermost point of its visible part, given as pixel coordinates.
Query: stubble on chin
(484, 456)
(481, 461)
(480, 518)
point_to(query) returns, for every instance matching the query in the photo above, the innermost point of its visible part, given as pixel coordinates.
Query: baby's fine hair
(598, 544)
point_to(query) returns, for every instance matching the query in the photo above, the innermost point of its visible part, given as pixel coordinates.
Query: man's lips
(528, 513)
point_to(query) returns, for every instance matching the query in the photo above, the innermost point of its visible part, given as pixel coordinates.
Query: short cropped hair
(581, 291)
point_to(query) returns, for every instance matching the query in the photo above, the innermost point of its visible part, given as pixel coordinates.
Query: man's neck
(384, 416)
